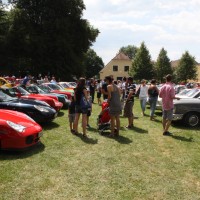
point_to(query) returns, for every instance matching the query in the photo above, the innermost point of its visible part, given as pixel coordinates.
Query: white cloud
(172, 24)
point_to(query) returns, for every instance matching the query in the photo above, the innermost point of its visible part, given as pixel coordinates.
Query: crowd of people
(120, 97)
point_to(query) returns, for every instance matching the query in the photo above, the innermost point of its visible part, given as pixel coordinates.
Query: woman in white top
(143, 95)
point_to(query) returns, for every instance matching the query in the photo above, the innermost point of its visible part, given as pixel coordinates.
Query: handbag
(84, 103)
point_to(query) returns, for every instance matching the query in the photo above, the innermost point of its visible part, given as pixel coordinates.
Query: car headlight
(42, 102)
(17, 127)
(41, 108)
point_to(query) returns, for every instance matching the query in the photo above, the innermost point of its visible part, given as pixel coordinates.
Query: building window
(126, 68)
(115, 68)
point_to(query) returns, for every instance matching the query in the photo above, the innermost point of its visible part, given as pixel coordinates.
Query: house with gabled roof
(119, 67)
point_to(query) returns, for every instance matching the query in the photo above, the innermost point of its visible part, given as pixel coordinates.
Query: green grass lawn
(140, 164)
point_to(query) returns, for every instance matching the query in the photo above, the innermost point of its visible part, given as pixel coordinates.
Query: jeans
(152, 102)
(143, 101)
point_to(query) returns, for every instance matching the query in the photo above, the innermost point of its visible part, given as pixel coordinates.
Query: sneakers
(167, 133)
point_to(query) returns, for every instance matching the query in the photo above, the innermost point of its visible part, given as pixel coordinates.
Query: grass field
(140, 164)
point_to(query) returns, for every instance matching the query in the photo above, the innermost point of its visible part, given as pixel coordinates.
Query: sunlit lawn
(140, 164)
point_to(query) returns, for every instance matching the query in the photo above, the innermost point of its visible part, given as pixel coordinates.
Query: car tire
(192, 119)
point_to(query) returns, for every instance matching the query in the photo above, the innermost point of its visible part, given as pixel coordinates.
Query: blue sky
(172, 24)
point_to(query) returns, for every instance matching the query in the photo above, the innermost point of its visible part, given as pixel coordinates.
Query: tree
(129, 50)
(4, 27)
(162, 66)
(51, 36)
(142, 67)
(93, 63)
(186, 68)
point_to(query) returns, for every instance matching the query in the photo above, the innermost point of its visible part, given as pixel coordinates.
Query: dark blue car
(38, 110)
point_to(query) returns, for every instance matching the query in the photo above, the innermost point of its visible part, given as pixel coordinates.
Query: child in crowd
(71, 114)
(89, 109)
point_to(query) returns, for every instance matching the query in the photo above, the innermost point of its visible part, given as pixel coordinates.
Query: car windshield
(45, 88)
(65, 85)
(192, 92)
(55, 87)
(184, 92)
(35, 89)
(72, 84)
(23, 91)
(5, 97)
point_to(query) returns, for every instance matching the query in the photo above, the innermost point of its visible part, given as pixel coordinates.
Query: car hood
(187, 100)
(17, 117)
(24, 101)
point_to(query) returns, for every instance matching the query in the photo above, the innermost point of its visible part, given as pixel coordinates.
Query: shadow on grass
(182, 138)
(139, 130)
(87, 140)
(21, 154)
(60, 114)
(92, 129)
(121, 139)
(159, 113)
(50, 125)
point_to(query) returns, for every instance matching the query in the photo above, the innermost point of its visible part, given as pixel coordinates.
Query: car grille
(29, 139)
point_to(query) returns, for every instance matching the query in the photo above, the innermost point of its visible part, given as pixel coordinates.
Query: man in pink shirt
(167, 93)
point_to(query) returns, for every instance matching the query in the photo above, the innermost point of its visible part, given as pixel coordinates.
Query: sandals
(74, 132)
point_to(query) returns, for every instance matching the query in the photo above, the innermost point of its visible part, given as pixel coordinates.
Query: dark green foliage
(186, 68)
(129, 50)
(163, 66)
(50, 37)
(92, 63)
(142, 67)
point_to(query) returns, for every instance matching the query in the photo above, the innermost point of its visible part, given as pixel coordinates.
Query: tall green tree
(129, 50)
(53, 36)
(162, 66)
(93, 64)
(4, 28)
(142, 67)
(187, 68)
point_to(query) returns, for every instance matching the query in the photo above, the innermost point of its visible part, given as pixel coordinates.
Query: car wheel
(192, 119)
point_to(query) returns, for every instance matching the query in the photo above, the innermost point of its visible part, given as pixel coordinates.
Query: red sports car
(18, 130)
(22, 93)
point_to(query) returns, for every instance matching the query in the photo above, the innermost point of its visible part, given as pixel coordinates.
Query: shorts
(78, 109)
(168, 114)
(98, 95)
(128, 109)
(71, 118)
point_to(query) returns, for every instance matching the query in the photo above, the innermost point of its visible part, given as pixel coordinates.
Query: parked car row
(23, 107)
